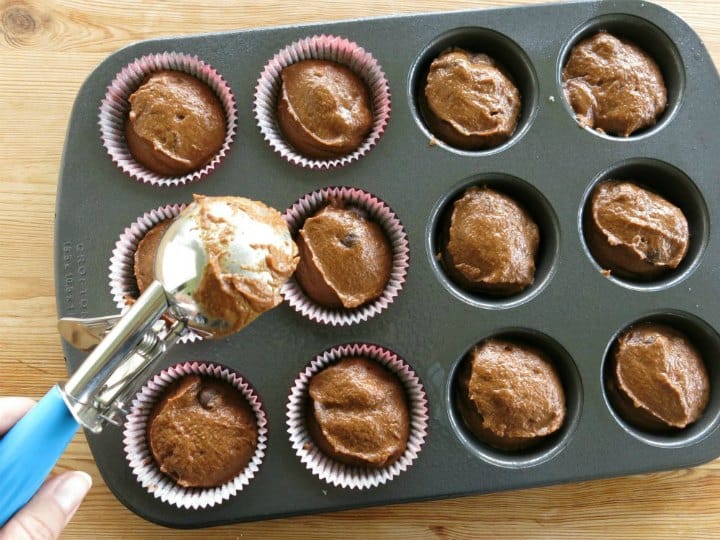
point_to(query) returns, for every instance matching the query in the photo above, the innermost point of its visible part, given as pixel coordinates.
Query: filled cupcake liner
(140, 458)
(334, 472)
(323, 47)
(115, 107)
(123, 285)
(380, 213)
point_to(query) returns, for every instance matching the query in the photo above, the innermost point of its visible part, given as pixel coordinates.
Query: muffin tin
(550, 164)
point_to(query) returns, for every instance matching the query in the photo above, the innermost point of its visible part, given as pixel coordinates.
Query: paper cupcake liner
(115, 106)
(340, 474)
(322, 47)
(381, 213)
(140, 458)
(123, 284)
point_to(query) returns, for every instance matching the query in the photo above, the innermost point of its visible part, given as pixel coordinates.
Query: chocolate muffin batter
(324, 109)
(634, 232)
(613, 85)
(658, 379)
(469, 101)
(491, 243)
(176, 123)
(358, 413)
(202, 432)
(249, 255)
(510, 395)
(345, 258)
(145, 255)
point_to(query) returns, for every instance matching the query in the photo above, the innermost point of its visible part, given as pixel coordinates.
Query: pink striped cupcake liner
(323, 47)
(123, 284)
(379, 212)
(349, 476)
(140, 458)
(115, 106)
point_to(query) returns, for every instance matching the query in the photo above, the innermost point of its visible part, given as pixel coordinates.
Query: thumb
(52, 507)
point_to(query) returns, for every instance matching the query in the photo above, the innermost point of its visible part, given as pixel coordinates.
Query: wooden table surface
(47, 48)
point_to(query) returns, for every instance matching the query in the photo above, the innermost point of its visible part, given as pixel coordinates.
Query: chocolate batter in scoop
(510, 395)
(324, 108)
(635, 232)
(469, 101)
(659, 380)
(345, 258)
(492, 243)
(202, 432)
(358, 413)
(176, 123)
(613, 85)
(244, 255)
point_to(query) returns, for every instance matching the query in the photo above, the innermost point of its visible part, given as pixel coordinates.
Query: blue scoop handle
(29, 451)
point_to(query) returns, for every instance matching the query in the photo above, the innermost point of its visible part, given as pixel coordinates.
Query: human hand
(52, 507)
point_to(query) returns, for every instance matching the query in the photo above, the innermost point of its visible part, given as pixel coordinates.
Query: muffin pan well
(572, 387)
(651, 39)
(707, 342)
(674, 186)
(539, 210)
(573, 310)
(510, 58)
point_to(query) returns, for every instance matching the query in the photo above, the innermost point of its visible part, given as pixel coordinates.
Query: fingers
(52, 507)
(13, 409)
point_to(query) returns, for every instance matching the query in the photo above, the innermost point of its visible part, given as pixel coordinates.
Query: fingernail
(71, 489)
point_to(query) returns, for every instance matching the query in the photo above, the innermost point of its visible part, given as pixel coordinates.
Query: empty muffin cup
(116, 107)
(140, 456)
(347, 475)
(343, 55)
(373, 212)
(124, 282)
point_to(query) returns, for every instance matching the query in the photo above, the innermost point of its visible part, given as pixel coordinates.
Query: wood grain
(46, 50)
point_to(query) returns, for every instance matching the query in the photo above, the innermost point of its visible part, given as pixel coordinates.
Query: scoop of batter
(635, 232)
(345, 258)
(202, 432)
(510, 395)
(176, 123)
(241, 255)
(613, 85)
(470, 102)
(358, 413)
(492, 243)
(659, 379)
(324, 109)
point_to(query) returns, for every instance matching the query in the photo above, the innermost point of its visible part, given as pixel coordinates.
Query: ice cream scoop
(218, 267)
(223, 262)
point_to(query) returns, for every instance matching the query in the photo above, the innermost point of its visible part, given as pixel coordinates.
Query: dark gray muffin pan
(572, 311)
